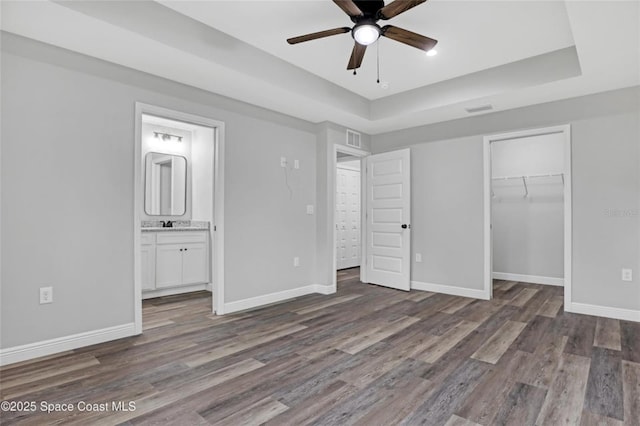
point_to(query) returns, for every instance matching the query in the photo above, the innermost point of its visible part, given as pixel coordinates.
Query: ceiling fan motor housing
(369, 10)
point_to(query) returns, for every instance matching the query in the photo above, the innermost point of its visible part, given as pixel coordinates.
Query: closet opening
(528, 216)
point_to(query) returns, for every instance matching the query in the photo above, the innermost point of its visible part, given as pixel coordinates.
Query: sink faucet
(167, 224)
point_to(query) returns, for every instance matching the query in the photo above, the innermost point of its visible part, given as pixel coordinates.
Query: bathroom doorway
(178, 206)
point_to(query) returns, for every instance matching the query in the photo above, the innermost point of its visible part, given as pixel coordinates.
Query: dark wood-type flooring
(367, 355)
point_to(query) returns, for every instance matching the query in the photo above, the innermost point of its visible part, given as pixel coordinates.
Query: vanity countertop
(174, 229)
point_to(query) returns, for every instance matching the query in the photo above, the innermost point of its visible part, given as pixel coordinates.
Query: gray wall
(67, 190)
(445, 228)
(606, 191)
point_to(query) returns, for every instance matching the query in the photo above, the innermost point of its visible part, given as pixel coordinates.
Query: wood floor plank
(456, 304)
(523, 297)
(580, 340)
(565, 397)
(363, 341)
(483, 404)
(541, 370)
(522, 406)
(447, 341)
(533, 335)
(310, 408)
(399, 405)
(459, 421)
(604, 389)
(331, 302)
(418, 296)
(607, 334)
(631, 390)
(630, 341)
(498, 344)
(445, 400)
(551, 307)
(591, 419)
(255, 414)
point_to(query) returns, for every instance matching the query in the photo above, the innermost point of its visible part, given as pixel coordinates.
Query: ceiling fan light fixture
(366, 34)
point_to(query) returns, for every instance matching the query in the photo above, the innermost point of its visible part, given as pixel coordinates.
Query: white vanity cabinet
(148, 261)
(180, 262)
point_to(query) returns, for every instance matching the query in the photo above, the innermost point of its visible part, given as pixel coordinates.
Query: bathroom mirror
(165, 192)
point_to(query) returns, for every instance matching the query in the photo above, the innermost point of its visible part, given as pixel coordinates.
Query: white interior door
(388, 215)
(347, 218)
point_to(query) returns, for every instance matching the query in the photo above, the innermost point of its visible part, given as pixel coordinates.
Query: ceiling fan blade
(349, 7)
(356, 56)
(397, 7)
(410, 38)
(319, 34)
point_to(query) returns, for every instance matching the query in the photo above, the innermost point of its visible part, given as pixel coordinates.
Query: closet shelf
(524, 180)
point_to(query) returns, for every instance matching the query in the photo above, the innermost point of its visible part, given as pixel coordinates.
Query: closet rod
(528, 176)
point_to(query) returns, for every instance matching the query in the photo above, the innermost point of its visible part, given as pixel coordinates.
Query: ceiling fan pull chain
(378, 59)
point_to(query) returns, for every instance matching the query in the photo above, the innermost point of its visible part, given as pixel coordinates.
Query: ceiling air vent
(353, 139)
(481, 108)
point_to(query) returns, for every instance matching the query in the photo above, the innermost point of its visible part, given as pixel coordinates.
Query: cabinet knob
(180, 249)
(185, 249)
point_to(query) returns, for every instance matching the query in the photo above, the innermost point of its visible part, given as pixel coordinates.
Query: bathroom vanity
(174, 260)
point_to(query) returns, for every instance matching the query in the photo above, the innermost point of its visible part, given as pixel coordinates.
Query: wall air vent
(353, 139)
(481, 108)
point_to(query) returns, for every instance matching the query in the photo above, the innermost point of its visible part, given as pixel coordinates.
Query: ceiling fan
(365, 14)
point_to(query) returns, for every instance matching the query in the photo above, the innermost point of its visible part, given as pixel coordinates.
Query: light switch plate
(296, 164)
(296, 261)
(283, 161)
(309, 208)
(418, 257)
(627, 275)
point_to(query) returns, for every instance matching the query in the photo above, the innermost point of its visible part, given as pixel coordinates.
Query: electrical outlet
(46, 295)
(627, 275)
(296, 164)
(309, 208)
(283, 161)
(418, 257)
(296, 261)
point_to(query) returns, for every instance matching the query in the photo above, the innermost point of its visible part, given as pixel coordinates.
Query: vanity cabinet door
(194, 263)
(169, 265)
(148, 266)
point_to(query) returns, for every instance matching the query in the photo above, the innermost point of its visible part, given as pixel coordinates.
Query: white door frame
(488, 243)
(333, 184)
(217, 221)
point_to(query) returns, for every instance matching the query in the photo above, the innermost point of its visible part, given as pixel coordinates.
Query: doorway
(528, 209)
(348, 212)
(195, 195)
(345, 171)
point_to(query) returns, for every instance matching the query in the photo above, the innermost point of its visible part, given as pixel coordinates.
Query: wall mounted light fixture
(167, 136)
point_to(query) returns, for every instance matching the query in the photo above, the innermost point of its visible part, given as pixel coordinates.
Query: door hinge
(215, 228)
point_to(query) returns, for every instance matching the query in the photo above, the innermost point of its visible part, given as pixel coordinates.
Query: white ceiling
(472, 36)
(504, 53)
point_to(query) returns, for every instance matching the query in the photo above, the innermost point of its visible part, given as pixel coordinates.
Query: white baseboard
(66, 343)
(149, 294)
(604, 311)
(534, 279)
(255, 302)
(449, 289)
(325, 289)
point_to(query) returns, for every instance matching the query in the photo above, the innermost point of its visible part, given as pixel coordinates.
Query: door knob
(405, 226)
